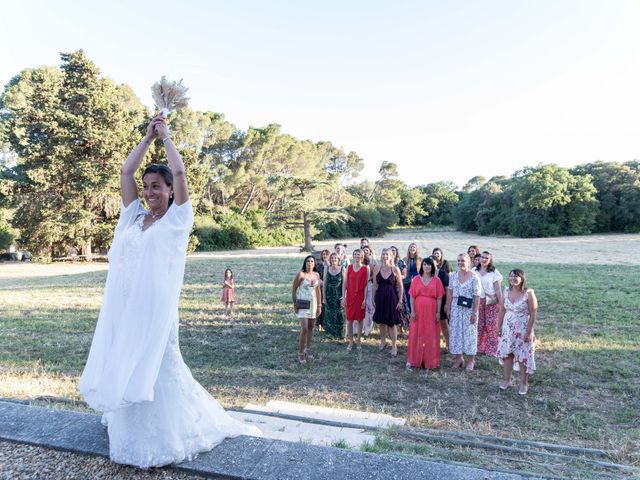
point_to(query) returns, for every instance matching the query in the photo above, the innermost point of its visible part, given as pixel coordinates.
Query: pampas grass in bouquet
(169, 96)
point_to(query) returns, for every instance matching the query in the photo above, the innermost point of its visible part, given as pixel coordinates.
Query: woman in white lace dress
(156, 412)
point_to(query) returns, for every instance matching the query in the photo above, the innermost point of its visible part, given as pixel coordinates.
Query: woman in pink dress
(426, 294)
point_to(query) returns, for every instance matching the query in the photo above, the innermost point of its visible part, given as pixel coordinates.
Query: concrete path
(238, 458)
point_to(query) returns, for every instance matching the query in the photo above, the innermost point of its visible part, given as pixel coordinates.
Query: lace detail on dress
(132, 257)
(182, 420)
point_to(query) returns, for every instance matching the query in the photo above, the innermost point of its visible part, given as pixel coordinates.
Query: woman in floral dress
(462, 309)
(370, 261)
(517, 317)
(490, 297)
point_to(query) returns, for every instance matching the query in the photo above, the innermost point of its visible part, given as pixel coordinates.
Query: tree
(305, 208)
(71, 130)
(548, 201)
(438, 203)
(474, 183)
(410, 207)
(387, 189)
(618, 192)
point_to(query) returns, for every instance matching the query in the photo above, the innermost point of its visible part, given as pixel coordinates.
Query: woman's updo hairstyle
(163, 171)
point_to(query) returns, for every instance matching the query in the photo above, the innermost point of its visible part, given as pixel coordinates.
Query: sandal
(504, 385)
(394, 352)
(470, 366)
(308, 354)
(349, 347)
(523, 389)
(382, 346)
(302, 358)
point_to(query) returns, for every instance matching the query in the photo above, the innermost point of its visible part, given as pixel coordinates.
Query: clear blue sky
(445, 89)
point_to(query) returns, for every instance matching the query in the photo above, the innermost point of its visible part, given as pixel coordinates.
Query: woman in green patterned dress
(332, 296)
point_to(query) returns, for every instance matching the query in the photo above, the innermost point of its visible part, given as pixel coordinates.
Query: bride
(155, 411)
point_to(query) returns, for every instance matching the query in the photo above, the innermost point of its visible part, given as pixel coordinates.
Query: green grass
(585, 391)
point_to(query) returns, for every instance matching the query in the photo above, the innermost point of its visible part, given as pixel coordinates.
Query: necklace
(155, 216)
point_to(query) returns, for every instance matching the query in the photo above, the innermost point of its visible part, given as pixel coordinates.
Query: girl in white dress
(155, 411)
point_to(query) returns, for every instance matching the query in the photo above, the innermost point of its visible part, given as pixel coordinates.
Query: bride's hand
(161, 128)
(151, 129)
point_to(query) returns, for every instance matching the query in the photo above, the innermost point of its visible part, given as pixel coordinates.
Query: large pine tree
(71, 129)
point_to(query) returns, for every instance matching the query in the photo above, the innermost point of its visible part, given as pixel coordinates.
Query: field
(585, 392)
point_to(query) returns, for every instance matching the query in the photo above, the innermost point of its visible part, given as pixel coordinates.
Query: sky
(447, 90)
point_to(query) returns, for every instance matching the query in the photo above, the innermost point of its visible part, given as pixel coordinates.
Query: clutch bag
(303, 304)
(465, 301)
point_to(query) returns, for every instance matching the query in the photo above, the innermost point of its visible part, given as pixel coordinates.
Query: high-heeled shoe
(523, 389)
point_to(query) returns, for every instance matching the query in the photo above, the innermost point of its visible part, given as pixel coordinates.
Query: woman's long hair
(304, 264)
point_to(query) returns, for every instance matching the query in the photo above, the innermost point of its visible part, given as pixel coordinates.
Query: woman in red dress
(426, 294)
(354, 292)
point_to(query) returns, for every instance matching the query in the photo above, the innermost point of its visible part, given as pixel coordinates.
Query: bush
(366, 222)
(6, 238)
(232, 231)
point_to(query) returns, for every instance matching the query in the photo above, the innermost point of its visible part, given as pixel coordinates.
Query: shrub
(230, 231)
(6, 238)
(366, 222)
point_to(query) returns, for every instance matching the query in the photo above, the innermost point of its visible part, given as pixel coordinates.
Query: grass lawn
(584, 393)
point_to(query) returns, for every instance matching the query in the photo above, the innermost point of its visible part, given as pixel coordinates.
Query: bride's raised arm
(128, 185)
(180, 188)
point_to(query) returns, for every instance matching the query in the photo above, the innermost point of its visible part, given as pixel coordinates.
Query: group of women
(467, 307)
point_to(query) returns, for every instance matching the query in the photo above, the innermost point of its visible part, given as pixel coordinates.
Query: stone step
(354, 417)
(299, 431)
(243, 457)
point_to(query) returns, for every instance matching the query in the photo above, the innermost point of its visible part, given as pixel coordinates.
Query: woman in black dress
(387, 294)
(443, 275)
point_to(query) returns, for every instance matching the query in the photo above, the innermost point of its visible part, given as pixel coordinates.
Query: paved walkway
(238, 458)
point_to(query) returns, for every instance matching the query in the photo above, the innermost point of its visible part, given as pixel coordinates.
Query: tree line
(65, 131)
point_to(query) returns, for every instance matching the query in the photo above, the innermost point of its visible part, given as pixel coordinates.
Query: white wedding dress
(155, 411)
